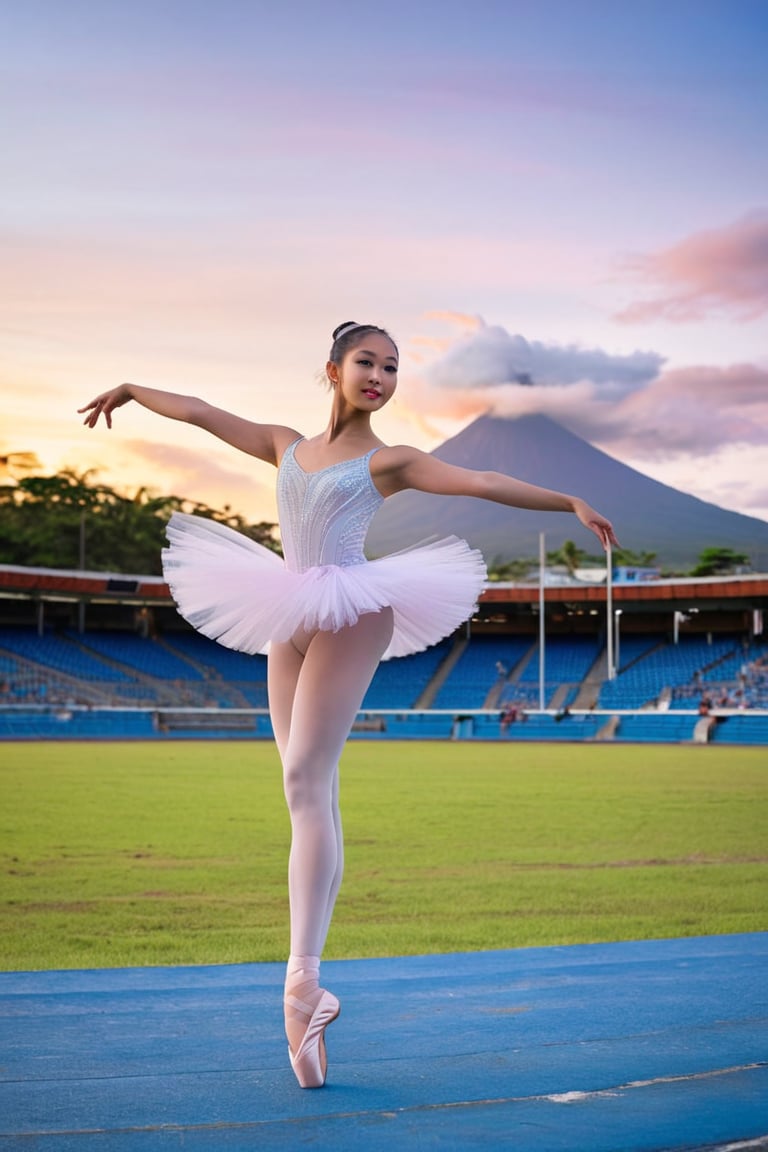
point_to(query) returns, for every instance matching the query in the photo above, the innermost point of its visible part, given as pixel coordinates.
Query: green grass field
(175, 853)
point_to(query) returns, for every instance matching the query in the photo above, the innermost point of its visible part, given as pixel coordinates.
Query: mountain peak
(648, 516)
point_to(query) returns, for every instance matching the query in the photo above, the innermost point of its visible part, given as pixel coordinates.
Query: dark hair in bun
(348, 335)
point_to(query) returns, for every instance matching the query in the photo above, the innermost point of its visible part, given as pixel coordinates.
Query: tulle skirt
(237, 592)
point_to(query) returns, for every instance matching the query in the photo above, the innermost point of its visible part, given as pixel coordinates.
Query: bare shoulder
(393, 457)
(282, 437)
(389, 467)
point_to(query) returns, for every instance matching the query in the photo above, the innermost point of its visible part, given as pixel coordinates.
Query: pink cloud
(461, 320)
(631, 405)
(197, 475)
(723, 270)
(689, 410)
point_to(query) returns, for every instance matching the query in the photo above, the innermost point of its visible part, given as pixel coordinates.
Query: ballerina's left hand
(598, 524)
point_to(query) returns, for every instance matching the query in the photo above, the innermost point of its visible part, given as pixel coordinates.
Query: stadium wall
(672, 726)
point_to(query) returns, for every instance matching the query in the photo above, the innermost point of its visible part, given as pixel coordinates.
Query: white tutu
(237, 592)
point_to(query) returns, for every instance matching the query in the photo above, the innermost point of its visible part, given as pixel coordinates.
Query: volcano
(648, 516)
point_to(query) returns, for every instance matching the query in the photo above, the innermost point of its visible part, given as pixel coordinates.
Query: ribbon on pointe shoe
(310, 1061)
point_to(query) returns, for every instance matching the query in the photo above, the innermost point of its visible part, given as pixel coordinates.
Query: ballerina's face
(368, 375)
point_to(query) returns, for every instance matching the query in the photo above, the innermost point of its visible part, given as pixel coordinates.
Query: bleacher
(664, 665)
(633, 648)
(60, 654)
(139, 653)
(478, 670)
(740, 680)
(400, 683)
(567, 660)
(119, 685)
(211, 657)
(245, 674)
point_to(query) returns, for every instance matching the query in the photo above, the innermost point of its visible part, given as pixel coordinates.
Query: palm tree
(569, 555)
(13, 462)
(631, 559)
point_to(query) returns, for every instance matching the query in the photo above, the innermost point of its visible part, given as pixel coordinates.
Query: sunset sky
(553, 206)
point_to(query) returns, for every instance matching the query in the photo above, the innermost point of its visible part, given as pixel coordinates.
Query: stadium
(554, 828)
(551, 933)
(105, 656)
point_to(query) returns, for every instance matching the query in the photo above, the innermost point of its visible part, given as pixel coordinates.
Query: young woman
(327, 614)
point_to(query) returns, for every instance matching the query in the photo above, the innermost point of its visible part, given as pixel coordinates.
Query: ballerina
(326, 614)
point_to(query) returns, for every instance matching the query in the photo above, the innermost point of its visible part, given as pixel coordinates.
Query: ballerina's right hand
(105, 404)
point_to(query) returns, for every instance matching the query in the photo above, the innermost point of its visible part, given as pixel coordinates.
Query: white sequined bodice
(324, 516)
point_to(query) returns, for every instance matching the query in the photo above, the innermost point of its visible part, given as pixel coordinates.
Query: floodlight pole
(542, 575)
(609, 611)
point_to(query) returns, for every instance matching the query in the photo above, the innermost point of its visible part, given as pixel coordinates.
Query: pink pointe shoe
(310, 1062)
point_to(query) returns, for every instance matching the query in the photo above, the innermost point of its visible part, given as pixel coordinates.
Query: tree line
(71, 520)
(712, 561)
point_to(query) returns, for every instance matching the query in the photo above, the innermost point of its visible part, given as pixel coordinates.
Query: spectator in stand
(508, 717)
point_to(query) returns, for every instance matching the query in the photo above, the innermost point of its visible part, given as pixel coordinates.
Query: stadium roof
(733, 592)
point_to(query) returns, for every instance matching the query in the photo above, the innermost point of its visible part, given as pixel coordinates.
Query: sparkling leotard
(243, 595)
(325, 515)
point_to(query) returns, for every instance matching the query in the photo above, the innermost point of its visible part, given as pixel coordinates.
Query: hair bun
(347, 324)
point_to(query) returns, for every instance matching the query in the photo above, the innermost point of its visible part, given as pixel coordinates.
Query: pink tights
(316, 686)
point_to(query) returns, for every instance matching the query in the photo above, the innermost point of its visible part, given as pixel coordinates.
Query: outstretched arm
(395, 469)
(266, 441)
